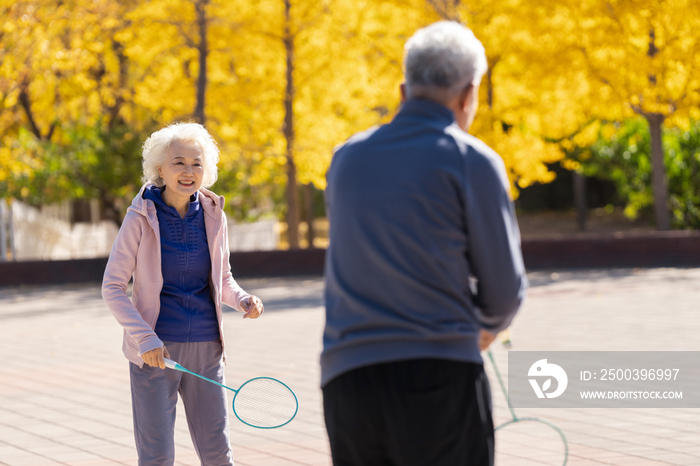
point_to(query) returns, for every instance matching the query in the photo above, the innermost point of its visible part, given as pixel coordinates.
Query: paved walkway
(64, 396)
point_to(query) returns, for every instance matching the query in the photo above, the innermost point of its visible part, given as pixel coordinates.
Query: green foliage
(104, 162)
(246, 199)
(683, 168)
(87, 162)
(622, 155)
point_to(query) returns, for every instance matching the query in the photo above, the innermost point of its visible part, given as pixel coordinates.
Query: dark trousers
(422, 412)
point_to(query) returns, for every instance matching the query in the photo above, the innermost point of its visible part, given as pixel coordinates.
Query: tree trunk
(27, 106)
(203, 49)
(3, 228)
(309, 208)
(658, 172)
(580, 198)
(659, 182)
(113, 111)
(110, 210)
(292, 193)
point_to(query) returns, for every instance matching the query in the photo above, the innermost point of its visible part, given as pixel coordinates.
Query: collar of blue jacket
(155, 194)
(428, 110)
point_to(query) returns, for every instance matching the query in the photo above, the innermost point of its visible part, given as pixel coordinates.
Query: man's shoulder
(357, 138)
(469, 143)
(474, 150)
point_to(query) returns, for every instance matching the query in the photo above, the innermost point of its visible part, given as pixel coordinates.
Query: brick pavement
(64, 396)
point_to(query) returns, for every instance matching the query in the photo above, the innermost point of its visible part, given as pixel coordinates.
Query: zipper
(184, 275)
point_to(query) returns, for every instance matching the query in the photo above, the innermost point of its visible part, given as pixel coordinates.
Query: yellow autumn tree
(280, 82)
(348, 71)
(642, 57)
(63, 75)
(534, 92)
(223, 64)
(189, 62)
(314, 73)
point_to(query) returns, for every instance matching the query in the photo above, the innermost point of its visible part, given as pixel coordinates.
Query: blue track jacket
(418, 210)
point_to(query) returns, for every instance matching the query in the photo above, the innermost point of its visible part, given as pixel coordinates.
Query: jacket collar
(144, 207)
(212, 205)
(426, 109)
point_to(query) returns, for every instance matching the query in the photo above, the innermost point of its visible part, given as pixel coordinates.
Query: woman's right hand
(156, 357)
(253, 307)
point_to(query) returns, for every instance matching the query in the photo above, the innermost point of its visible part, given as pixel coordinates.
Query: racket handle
(504, 337)
(170, 364)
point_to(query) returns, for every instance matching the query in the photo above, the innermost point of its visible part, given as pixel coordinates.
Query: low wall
(659, 249)
(45, 234)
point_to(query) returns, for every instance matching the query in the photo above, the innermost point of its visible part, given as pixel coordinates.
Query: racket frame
(296, 401)
(170, 364)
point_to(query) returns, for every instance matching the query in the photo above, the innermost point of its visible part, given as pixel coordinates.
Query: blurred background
(594, 106)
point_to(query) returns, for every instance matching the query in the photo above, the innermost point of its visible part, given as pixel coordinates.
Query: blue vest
(187, 311)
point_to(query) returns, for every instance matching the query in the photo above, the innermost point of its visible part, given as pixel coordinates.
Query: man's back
(417, 207)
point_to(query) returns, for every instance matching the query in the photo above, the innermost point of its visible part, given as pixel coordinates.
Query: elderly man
(424, 268)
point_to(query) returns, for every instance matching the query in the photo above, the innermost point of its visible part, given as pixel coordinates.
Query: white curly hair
(155, 151)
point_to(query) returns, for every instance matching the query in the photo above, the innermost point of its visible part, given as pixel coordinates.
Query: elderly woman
(174, 243)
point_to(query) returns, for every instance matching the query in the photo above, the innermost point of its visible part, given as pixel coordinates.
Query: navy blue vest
(187, 312)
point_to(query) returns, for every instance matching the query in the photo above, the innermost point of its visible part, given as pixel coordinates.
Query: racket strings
(265, 402)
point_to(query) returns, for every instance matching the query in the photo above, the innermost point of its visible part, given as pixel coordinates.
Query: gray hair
(443, 59)
(155, 151)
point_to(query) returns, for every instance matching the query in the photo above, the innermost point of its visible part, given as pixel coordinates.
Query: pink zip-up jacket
(136, 253)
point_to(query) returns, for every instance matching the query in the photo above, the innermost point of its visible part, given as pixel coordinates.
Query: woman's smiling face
(183, 169)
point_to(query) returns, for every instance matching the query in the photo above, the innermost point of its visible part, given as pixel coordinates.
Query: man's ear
(466, 97)
(402, 90)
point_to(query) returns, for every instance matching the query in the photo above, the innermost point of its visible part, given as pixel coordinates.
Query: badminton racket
(261, 402)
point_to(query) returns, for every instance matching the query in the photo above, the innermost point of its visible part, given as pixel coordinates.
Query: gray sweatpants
(154, 394)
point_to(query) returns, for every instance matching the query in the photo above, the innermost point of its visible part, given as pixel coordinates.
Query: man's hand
(156, 357)
(253, 307)
(485, 339)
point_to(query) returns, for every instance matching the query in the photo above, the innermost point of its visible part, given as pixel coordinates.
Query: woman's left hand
(253, 307)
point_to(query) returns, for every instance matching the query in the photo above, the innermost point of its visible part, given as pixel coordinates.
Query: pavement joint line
(114, 411)
(44, 456)
(128, 430)
(43, 421)
(619, 441)
(626, 455)
(48, 421)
